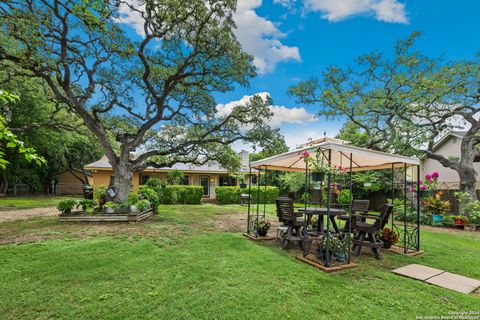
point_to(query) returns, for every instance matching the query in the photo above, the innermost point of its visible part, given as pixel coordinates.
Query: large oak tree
(160, 84)
(404, 104)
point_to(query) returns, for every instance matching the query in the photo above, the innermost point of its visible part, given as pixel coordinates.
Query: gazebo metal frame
(358, 159)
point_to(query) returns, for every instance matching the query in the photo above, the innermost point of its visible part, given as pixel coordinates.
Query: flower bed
(100, 216)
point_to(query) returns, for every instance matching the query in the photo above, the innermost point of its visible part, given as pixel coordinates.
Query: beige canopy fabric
(362, 159)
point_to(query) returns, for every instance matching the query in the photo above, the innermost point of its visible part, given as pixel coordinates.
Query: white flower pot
(133, 208)
(110, 210)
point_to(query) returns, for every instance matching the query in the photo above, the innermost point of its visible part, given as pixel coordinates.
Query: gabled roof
(446, 137)
(211, 166)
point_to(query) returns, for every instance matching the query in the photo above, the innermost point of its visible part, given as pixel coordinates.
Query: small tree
(175, 177)
(160, 85)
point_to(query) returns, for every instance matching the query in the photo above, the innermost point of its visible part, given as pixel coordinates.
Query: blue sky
(294, 40)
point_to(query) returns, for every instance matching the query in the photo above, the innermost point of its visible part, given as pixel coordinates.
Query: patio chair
(369, 230)
(358, 207)
(291, 221)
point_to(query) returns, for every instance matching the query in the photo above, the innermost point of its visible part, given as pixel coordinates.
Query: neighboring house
(449, 147)
(209, 176)
(68, 182)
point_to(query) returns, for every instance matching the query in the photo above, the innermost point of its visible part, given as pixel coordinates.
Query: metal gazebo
(405, 172)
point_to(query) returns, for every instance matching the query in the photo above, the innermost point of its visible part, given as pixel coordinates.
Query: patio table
(321, 212)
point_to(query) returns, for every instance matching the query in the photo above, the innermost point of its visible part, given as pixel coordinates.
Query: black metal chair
(290, 220)
(358, 207)
(369, 230)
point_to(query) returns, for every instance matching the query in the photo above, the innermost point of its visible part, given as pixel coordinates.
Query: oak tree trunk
(122, 183)
(468, 179)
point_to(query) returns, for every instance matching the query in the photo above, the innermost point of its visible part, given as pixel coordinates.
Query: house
(209, 175)
(71, 182)
(449, 147)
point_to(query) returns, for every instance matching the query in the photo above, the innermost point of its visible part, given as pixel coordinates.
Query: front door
(205, 183)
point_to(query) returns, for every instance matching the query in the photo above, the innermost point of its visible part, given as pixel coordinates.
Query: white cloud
(336, 10)
(258, 36)
(281, 114)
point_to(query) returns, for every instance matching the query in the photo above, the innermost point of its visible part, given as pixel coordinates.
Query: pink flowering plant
(430, 183)
(316, 163)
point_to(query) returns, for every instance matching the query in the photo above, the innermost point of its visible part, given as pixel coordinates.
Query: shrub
(151, 195)
(192, 194)
(155, 183)
(229, 195)
(99, 192)
(66, 206)
(180, 194)
(344, 196)
(411, 216)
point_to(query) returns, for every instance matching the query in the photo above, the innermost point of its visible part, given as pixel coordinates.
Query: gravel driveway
(11, 215)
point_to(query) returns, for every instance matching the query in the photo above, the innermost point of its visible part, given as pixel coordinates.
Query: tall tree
(162, 83)
(403, 104)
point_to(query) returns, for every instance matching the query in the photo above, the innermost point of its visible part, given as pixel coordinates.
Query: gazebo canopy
(362, 159)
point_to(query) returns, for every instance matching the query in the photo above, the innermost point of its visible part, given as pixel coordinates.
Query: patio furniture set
(340, 230)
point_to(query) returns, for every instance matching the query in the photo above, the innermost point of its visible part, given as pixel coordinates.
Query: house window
(144, 178)
(227, 181)
(186, 180)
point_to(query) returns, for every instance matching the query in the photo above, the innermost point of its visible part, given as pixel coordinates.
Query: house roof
(362, 159)
(211, 166)
(446, 137)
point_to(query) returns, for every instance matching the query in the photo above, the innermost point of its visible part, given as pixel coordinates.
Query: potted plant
(318, 165)
(468, 206)
(133, 199)
(100, 194)
(437, 206)
(429, 185)
(262, 226)
(109, 207)
(460, 220)
(334, 251)
(86, 204)
(66, 206)
(389, 237)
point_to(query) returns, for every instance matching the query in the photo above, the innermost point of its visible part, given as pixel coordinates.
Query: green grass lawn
(15, 203)
(182, 264)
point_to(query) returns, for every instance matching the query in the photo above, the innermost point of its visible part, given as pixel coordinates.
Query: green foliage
(344, 196)
(10, 141)
(173, 194)
(293, 181)
(175, 177)
(143, 205)
(468, 206)
(86, 203)
(110, 204)
(99, 192)
(66, 205)
(229, 195)
(155, 183)
(151, 195)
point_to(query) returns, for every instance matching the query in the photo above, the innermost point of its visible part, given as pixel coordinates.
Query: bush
(193, 194)
(151, 195)
(66, 205)
(180, 194)
(155, 183)
(229, 195)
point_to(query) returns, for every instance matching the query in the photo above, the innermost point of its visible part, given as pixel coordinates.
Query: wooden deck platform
(312, 260)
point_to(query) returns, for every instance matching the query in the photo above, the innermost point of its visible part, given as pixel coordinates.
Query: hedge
(180, 194)
(229, 195)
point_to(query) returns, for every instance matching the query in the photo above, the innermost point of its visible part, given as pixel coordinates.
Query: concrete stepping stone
(439, 278)
(455, 282)
(417, 271)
